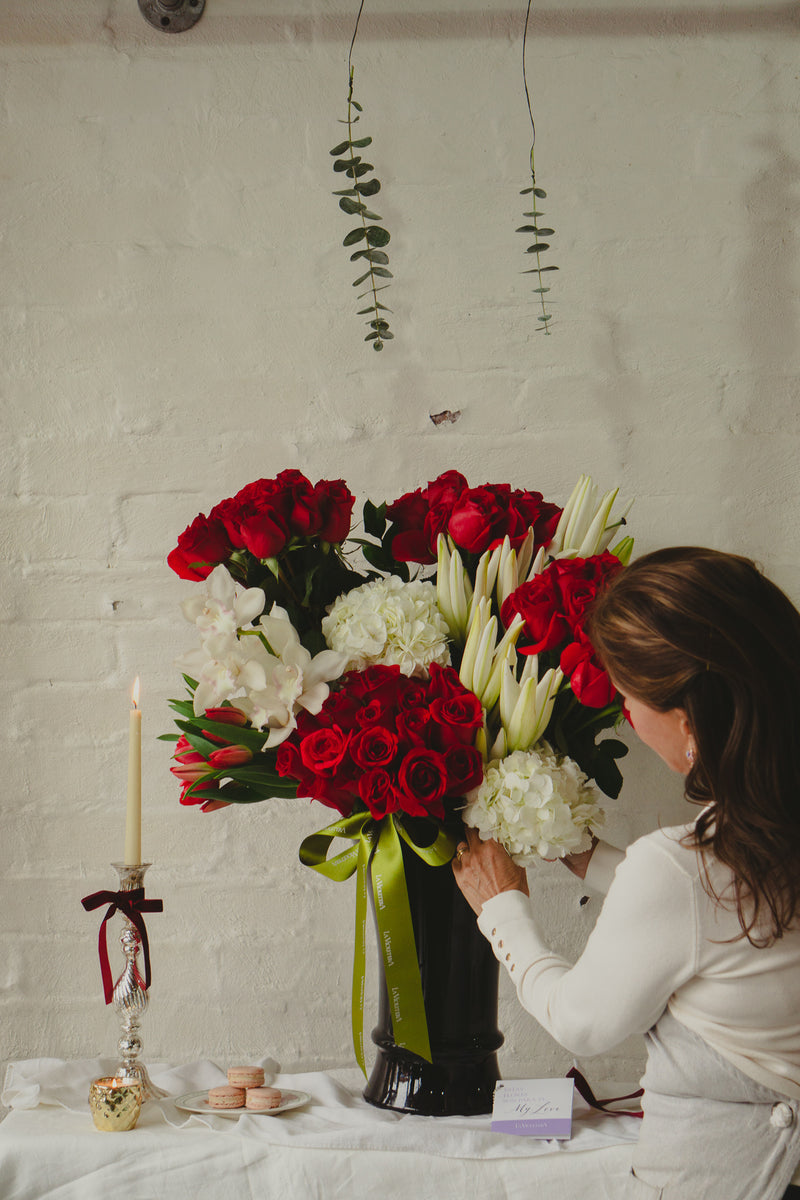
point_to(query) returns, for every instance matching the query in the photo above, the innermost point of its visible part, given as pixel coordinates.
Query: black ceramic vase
(459, 986)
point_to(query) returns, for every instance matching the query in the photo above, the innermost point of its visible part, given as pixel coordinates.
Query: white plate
(197, 1102)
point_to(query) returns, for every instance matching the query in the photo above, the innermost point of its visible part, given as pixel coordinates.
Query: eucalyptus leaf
(383, 272)
(346, 192)
(370, 188)
(345, 164)
(378, 256)
(526, 191)
(359, 169)
(361, 278)
(376, 236)
(538, 248)
(527, 229)
(355, 235)
(365, 141)
(545, 232)
(340, 149)
(540, 193)
(351, 206)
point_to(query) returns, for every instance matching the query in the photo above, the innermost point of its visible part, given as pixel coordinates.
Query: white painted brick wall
(176, 318)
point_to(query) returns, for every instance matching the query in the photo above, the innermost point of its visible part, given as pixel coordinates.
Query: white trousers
(709, 1132)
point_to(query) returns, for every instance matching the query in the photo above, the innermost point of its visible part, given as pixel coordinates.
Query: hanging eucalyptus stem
(536, 193)
(351, 201)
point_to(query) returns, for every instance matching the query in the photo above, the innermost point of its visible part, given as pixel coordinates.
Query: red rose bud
(229, 756)
(227, 715)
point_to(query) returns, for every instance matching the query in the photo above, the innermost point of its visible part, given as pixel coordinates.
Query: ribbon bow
(131, 904)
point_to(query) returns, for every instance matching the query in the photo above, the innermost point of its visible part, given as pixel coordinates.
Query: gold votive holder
(115, 1102)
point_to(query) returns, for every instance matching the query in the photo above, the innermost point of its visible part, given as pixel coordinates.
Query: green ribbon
(377, 844)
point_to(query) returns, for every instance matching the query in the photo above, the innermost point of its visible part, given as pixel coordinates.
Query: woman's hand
(485, 869)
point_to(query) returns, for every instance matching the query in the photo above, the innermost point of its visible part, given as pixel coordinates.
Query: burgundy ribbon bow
(583, 1089)
(131, 904)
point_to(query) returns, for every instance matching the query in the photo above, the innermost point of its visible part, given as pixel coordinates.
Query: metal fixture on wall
(172, 16)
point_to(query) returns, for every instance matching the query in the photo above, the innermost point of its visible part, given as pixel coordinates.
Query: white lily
(224, 607)
(453, 588)
(586, 525)
(526, 704)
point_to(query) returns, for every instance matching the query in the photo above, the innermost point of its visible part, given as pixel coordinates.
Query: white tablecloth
(336, 1145)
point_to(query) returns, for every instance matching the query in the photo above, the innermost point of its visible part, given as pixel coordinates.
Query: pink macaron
(246, 1077)
(226, 1096)
(261, 1098)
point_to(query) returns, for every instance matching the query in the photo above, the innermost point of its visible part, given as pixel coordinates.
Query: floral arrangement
(406, 705)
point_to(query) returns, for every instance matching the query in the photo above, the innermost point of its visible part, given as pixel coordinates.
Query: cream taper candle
(133, 816)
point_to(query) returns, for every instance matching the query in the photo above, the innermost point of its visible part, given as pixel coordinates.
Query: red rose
(378, 793)
(323, 750)
(528, 510)
(458, 717)
(411, 724)
(422, 782)
(202, 546)
(253, 519)
(374, 746)
(579, 580)
(419, 517)
(464, 769)
(589, 682)
(538, 602)
(478, 519)
(335, 501)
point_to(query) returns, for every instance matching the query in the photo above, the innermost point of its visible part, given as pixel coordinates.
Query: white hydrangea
(536, 804)
(389, 621)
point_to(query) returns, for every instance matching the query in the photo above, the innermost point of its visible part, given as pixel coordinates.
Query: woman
(698, 941)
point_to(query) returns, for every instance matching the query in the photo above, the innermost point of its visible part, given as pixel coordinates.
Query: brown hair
(706, 632)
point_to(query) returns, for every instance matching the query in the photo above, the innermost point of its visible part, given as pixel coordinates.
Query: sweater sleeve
(642, 948)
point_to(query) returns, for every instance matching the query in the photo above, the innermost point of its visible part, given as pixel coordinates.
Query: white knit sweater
(660, 941)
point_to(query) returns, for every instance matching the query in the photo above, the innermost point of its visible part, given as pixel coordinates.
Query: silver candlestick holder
(130, 995)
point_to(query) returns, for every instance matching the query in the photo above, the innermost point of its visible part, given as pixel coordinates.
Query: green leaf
(379, 324)
(375, 519)
(355, 235)
(538, 247)
(371, 336)
(340, 149)
(345, 164)
(362, 312)
(383, 272)
(548, 268)
(356, 105)
(527, 229)
(387, 337)
(545, 317)
(370, 188)
(346, 192)
(358, 169)
(540, 193)
(545, 232)
(526, 191)
(365, 141)
(377, 289)
(361, 278)
(371, 216)
(374, 256)
(539, 291)
(376, 236)
(351, 206)
(533, 213)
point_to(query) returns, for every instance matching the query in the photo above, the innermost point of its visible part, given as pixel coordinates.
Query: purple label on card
(547, 1128)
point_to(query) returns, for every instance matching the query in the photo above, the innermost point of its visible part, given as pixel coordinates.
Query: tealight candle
(133, 816)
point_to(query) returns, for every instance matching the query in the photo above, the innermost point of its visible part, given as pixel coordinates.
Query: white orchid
(223, 666)
(586, 525)
(225, 607)
(293, 678)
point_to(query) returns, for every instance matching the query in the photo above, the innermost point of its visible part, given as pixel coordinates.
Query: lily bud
(623, 550)
(474, 637)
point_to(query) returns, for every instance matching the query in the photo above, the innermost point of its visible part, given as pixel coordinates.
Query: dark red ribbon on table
(583, 1089)
(131, 904)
